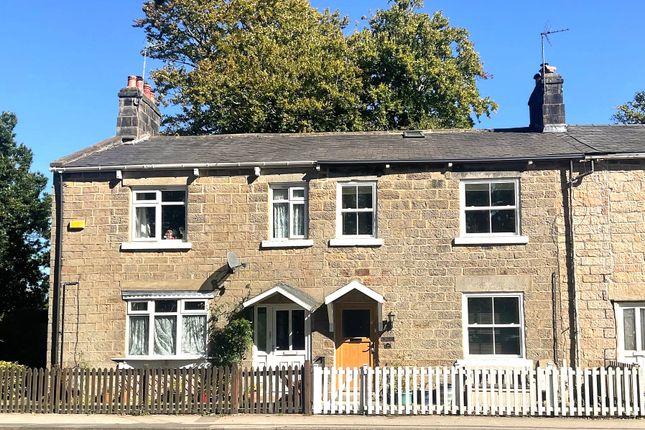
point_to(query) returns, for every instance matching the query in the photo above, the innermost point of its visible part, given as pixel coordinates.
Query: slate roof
(437, 146)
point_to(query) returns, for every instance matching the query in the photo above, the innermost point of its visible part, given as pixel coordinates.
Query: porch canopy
(354, 286)
(295, 295)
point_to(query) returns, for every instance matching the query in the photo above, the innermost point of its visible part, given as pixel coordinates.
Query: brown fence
(222, 390)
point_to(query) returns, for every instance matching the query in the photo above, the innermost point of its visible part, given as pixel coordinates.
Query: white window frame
(491, 237)
(466, 326)
(181, 311)
(631, 356)
(158, 204)
(291, 201)
(356, 239)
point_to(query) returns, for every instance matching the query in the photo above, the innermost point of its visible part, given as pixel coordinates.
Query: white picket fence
(551, 391)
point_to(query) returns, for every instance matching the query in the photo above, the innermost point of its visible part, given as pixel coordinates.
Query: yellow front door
(355, 335)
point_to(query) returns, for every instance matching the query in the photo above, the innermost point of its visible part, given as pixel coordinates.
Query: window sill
(156, 246)
(502, 361)
(492, 240)
(300, 243)
(372, 241)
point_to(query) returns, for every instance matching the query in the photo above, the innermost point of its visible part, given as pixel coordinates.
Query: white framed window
(630, 331)
(167, 327)
(159, 215)
(288, 212)
(356, 215)
(490, 211)
(493, 325)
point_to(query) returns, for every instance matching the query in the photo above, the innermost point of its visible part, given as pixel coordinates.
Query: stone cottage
(514, 247)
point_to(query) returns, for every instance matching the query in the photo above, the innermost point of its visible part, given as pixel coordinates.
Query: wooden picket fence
(551, 391)
(222, 390)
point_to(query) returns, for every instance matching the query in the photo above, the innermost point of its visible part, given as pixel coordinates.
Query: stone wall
(418, 270)
(609, 223)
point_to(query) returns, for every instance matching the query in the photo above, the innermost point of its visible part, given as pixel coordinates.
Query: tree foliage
(417, 71)
(229, 344)
(632, 112)
(282, 66)
(24, 237)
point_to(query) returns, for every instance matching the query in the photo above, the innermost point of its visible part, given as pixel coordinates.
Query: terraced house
(517, 246)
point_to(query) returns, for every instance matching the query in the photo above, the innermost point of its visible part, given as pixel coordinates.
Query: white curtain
(299, 220)
(165, 335)
(194, 337)
(281, 220)
(138, 335)
(145, 222)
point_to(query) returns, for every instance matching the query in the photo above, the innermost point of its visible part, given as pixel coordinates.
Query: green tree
(281, 66)
(251, 66)
(24, 245)
(632, 112)
(418, 71)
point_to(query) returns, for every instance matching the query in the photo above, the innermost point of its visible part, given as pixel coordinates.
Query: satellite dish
(233, 261)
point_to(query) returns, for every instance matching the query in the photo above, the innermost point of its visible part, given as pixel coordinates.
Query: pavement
(56, 421)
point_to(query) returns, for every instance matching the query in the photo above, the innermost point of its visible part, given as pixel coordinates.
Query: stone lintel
(492, 283)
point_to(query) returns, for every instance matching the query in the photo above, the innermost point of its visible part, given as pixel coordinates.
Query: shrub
(230, 343)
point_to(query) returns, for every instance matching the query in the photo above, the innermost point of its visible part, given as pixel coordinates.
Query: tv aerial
(545, 36)
(233, 261)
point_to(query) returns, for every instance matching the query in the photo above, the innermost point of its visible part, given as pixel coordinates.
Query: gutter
(623, 156)
(183, 166)
(278, 164)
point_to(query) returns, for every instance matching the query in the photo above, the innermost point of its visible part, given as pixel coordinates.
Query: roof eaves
(108, 143)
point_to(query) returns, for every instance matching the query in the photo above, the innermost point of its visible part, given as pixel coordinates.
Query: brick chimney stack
(138, 112)
(546, 104)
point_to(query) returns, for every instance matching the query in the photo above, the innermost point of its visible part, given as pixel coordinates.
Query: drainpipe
(572, 260)
(58, 195)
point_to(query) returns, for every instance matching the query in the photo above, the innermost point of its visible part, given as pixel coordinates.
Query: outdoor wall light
(390, 320)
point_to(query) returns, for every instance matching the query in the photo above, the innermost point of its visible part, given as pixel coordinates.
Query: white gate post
(317, 394)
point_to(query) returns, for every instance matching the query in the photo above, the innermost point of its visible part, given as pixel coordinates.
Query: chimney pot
(147, 91)
(140, 83)
(132, 81)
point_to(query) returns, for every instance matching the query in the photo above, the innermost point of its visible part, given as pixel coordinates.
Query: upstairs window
(490, 208)
(159, 215)
(288, 212)
(356, 214)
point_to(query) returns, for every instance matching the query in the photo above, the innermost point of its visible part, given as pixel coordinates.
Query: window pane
(356, 323)
(298, 193)
(349, 197)
(144, 223)
(507, 340)
(365, 223)
(629, 325)
(477, 222)
(477, 195)
(349, 224)
(280, 194)
(165, 335)
(298, 330)
(173, 196)
(139, 335)
(480, 341)
(166, 306)
(146, 196)
(194, 335)
(139, 306)
(480, 310)
(299, 220)
(173, 222)
(282, 330)
(503, 194)
(503, 221)
(365, 197)
(261, 330)
(507, 310)
(195, 306)
(280, 220)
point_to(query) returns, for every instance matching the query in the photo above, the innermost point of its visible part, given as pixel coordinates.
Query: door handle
(355, 339)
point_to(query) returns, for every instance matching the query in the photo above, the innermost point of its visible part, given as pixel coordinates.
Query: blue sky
(62, 62)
